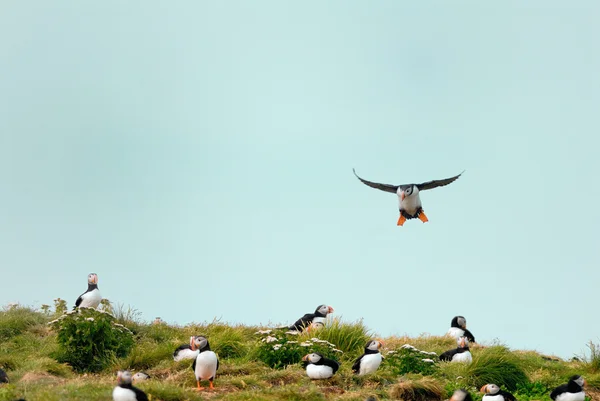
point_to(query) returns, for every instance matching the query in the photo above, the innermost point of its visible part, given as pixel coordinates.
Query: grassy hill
(253, 363)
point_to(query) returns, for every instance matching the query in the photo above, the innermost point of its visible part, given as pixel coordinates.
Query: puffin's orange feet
(210, 385)
(401, 220)
(423, 218)
(199, 388)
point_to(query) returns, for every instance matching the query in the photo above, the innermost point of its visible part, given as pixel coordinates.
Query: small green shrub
(408, 359)
(89, 339)
(532, 391)
(496, 365)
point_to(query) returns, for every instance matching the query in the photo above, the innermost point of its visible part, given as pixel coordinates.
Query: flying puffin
(206, 364)
(459, 354)
(408, 196)
(91, 298)
(370, 360)
(458, 328)
(3, 376)
(461, 395)
(184, 351)
(140, 376)
(321, 312)
(493, 393)
(572, 391)
(125, 391)
(319, 367)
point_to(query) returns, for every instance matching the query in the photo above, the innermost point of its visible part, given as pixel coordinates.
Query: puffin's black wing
(194, 365)
(139, 394)
(437, 183)
(78, 302)
(447, 356)
(376, 185)
(181, 348)
(303, 322)
(217, 364)
(356, 366)
(507, 396)
(469, 336)
(559, 390)
(3, 376)
(332, 363)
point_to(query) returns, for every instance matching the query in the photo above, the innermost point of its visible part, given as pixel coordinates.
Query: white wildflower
(337, 350)
(270, 339)
(292, 342)
(408, 346)
(91, 319)
(428, 360)
(263, 331)
(392, 352)
(305, 344)
(276, 347)
(294, 333)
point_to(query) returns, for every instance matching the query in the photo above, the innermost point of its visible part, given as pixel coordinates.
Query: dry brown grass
(424, 389)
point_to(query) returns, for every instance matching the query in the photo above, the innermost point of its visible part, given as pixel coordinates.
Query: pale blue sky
(198, 156)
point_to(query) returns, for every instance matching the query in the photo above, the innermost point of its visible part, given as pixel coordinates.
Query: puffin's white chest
(319, 371)
(493, 397)
(206, 365)
(411, 203)
(91, 299)
(580, 396)
(455, 332)
(123, 394)
(186, 353)
(369, 363)
(463, 357)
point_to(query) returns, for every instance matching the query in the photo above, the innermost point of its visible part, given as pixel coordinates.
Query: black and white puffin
(3, 376)
(408, 196)
(370, 360)
(125, 391)
(140, 376)
(493, 393)
(91, 298)
(461, 395)
(458, 328)
(319, 367)
(572, 391)
(321, 312)
(206, 364)
(459, 354)
(184, 351)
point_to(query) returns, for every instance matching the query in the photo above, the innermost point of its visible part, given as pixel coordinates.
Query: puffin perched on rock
(461, 395)
(458, 328)
(319, 367)
(125, 391)
(370, 360)
(305, 321)
(572, 391)
(91, 298)
(459, 354)
(206, 364)
(493, 393)
(408, 196)
(3, 376)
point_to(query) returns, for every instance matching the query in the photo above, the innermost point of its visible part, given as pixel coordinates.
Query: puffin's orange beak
(330, 309)
(192, 345)
(484, 389)
(402, 195)
(305, 357)
(462, 342)
(380, 344)
(584, 382)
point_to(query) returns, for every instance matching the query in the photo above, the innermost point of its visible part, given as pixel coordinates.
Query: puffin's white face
(374, 345)
(324, 309)
(312, 358)
(413, 190)
(197, 342)
(490, 389)
(123, 377)
(462, 342)
(459, 395)
(462, 322)
(580, 380)
(139, 376)
(92, 278)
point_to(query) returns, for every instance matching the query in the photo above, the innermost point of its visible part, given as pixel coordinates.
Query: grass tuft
(422, 389)
(496, 365)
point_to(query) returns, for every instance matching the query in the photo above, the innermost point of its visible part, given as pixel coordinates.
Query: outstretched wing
(437, 183)
(383, 187)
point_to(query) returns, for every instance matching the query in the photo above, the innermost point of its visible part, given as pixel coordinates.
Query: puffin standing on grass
(370, 360)
(206, 364)
(125, 391)
(319, 367)
(493, 393)
(91, 298)
(459, 354)
(305, 321)
(572, 391)
(458, 328)
(408, 196)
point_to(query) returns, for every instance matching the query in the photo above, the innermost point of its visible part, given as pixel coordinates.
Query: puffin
(319, 367)
(206, 364)
(321, 312)
(572, 391)
(140, 376)
(459, 354)
(3, 376)
(493, 393)
(91, 298)
(125, 391)
(461, 395)
(184, 351)
(458, 328)
(408, 196)
(370, 360)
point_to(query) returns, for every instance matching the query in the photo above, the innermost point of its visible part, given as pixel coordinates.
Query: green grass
(28, 350)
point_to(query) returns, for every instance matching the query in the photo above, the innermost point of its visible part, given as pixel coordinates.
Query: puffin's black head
(315, 357)
(490, 389)
(462, 342)
(92, 278)
(459, 322)
(124, 377)
(374, 345)
(578, 379)
(323, 310)
(461, 395)
(199, 342)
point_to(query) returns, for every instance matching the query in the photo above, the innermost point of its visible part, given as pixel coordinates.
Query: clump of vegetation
(594, 359)
(495, 365)
(408, 359)
(419, 389)
(89, 339)
(17, 319)
(348, 337)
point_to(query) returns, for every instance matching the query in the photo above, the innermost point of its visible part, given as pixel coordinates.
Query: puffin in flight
(125, 391)
(493, 393)
(370, 360)
(408, 196)
(91, 298)
(206, 364)
(459, 354)
(319, 367)
(572, 391)
(458, 328)
(305, 321)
